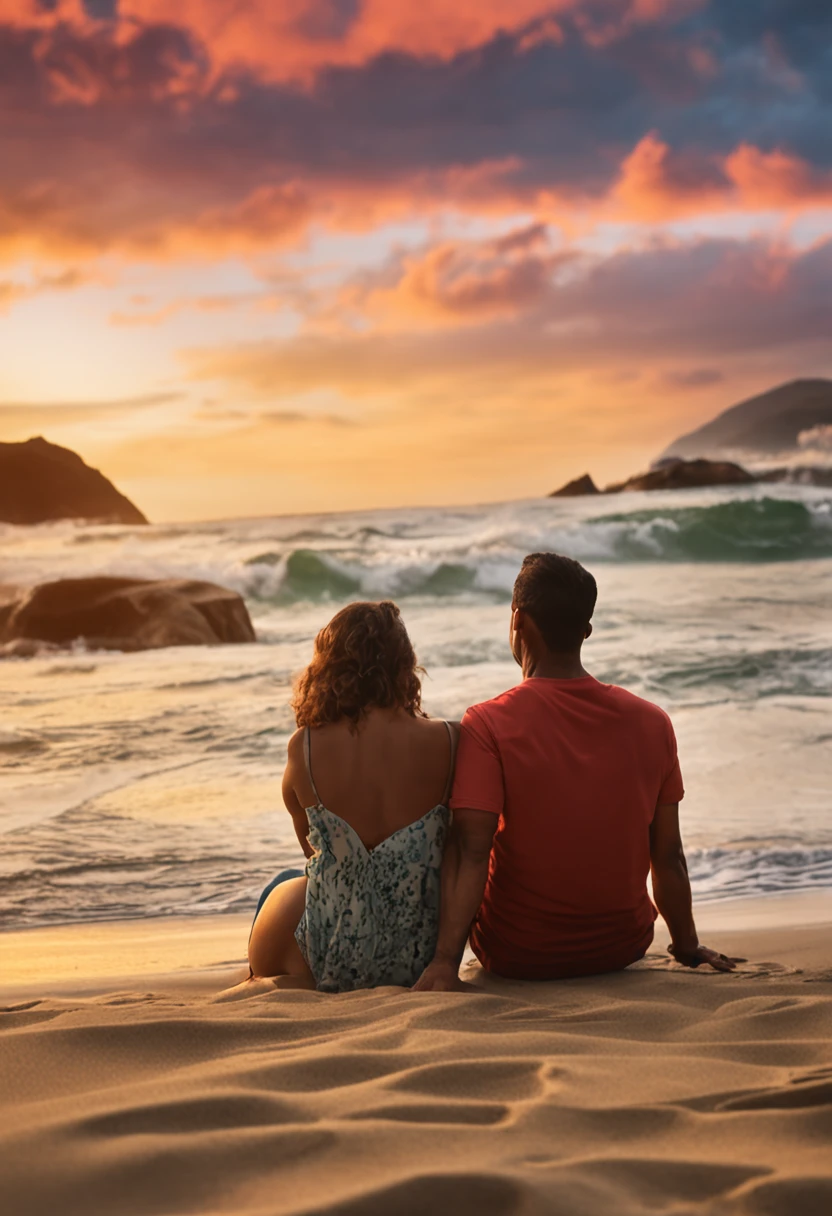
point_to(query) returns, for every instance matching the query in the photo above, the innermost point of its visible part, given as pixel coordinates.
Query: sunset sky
(278, 255)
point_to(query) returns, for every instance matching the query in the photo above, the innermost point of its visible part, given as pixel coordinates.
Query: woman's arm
(291, 801)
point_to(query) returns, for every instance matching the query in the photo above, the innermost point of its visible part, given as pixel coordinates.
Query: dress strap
(453, 737)
(307, 753)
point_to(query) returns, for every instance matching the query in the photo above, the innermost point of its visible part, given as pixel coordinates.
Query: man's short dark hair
(559, 595)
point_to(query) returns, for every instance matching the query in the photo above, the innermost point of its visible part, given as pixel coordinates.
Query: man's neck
(551, 666)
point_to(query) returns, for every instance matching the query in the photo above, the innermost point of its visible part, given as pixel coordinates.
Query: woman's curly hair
(363, 659)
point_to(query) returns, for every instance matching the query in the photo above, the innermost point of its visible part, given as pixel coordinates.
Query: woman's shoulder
(436, 726)
(295, 746)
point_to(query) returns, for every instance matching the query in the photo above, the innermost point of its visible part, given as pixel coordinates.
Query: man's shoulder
(494, 705)
(500, 715)
(513, 700)
(631, 703)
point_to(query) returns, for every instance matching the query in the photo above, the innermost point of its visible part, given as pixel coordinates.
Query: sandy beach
(132, 1084)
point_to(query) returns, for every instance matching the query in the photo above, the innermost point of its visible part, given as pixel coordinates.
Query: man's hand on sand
(701, 954)
(440, 977)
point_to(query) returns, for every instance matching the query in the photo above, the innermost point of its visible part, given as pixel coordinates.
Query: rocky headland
(773, 425)
(42, 482)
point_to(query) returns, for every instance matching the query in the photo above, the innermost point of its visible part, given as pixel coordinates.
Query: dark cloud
(707, 296)
(329, 19)
(101, 10)
(112, 131)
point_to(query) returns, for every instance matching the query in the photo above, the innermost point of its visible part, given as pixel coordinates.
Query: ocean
(149, 783)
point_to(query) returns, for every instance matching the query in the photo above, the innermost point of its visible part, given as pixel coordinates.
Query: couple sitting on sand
(528, 831)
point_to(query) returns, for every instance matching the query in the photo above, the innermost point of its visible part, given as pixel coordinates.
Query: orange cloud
(13, 292)
(295, 38)
(658, 183)
(776, 179)
(466, 282)
(53, 219)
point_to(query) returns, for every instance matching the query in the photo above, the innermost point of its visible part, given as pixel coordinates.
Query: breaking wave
(764, 529)
(750, 530)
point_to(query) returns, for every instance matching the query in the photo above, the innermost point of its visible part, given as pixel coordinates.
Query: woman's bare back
(382, 777)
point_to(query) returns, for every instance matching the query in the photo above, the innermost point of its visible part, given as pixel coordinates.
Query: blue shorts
(283, 876)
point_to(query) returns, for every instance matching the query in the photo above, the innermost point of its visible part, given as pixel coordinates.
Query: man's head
(553, 602)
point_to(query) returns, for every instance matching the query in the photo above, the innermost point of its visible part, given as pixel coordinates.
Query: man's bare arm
(464, 875)
(671, 891)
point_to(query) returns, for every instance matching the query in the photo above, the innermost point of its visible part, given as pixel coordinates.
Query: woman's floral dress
(371, 916)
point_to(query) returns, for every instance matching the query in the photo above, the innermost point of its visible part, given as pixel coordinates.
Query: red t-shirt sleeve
(478, 777)
(673, 788)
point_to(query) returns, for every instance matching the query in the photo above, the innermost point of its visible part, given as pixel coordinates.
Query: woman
(367, 784)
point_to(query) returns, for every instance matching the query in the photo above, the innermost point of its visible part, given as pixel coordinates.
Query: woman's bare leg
(272, 949)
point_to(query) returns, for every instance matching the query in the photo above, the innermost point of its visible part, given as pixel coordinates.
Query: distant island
(41, 482)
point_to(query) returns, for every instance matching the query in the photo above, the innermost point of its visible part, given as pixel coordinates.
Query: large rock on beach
(121, 614)
(577, 488)
(40, 481)
(687, 475)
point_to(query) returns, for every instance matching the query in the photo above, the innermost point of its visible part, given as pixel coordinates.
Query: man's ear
(518, 620)
(588, 633)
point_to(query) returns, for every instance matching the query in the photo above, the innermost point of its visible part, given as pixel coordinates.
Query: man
(566, 795)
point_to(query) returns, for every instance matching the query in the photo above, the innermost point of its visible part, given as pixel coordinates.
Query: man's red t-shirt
(575, 770)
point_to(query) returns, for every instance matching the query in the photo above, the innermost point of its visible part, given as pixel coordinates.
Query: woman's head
(363, 659)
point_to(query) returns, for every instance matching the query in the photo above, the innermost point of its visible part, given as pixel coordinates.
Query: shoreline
(93, 956)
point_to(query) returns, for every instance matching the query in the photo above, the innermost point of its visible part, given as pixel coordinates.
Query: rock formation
(687, 475)
(40, 481)
(573, 489)
(669, 475)
(121, 614)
